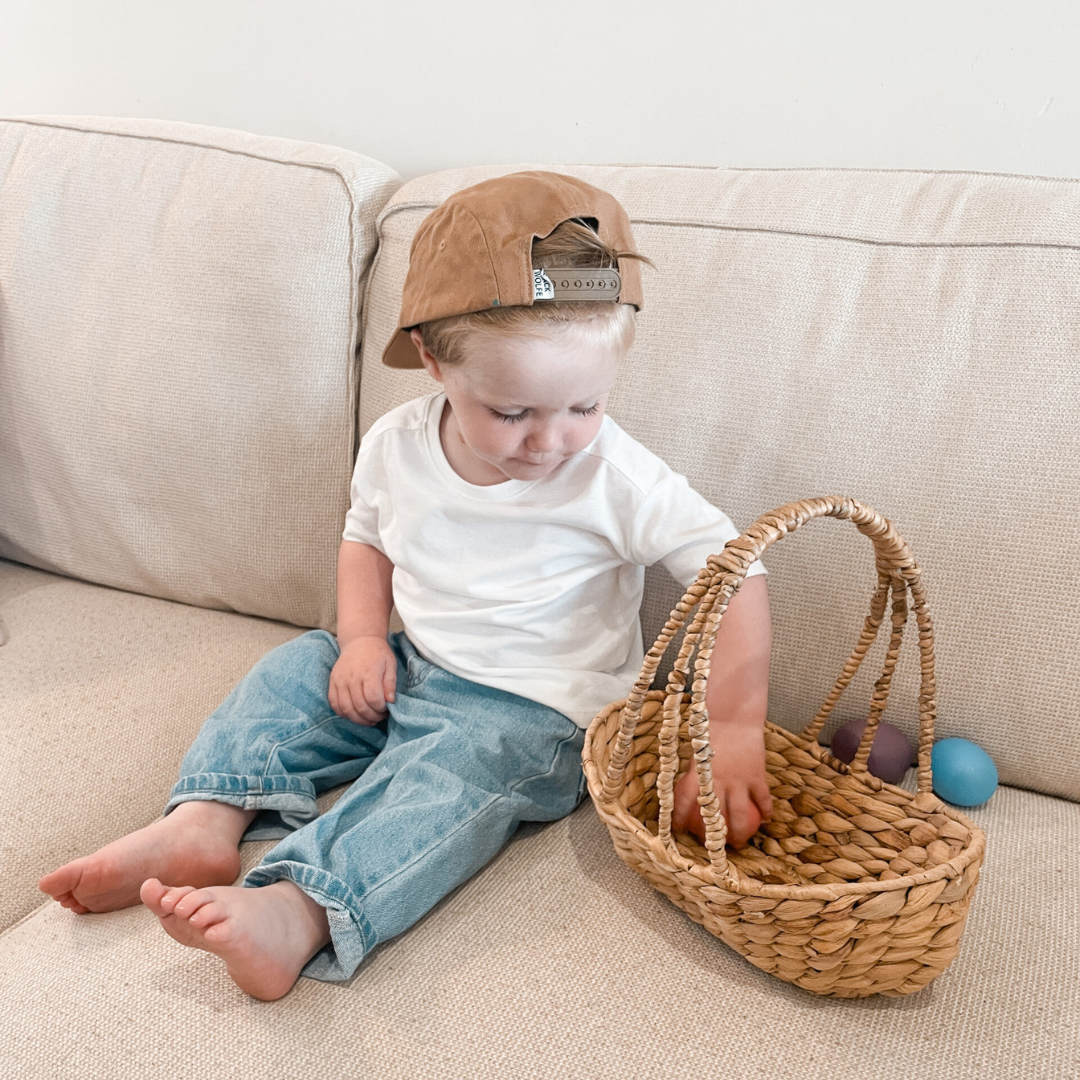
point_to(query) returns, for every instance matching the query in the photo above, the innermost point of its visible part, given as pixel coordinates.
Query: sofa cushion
(103, 691)
(178, 326)
(906, 338)
(559, 961)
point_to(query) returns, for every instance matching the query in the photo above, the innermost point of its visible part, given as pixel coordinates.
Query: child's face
(520, 406)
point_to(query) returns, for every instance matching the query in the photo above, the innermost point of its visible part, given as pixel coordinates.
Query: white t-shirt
(530, 586)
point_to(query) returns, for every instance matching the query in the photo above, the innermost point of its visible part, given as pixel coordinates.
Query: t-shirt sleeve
(362, 520)
(680, 528)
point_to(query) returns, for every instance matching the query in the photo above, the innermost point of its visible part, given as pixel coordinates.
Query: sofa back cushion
(178, 331)
(910, 339)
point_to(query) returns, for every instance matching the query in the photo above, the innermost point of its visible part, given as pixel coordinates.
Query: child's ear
(426, 355)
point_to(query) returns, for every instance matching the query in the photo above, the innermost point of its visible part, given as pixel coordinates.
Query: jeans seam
(223, 794)
(414, 682)
(248, 794)
(332, 902)
(551, 768)
(292, 738)
(496, 797)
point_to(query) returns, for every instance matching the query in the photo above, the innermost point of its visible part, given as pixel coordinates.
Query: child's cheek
(590, 432)
(494, 435)
(496, 442)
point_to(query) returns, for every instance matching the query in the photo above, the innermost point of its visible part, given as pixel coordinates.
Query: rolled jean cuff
(290, 800)
(351, 936)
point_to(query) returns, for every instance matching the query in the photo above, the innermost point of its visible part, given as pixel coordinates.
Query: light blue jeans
(436, 789)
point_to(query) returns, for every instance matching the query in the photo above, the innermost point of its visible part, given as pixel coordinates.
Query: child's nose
(543, 438)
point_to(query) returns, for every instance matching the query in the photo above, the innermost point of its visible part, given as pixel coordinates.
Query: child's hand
(739, 780)
(363, 680)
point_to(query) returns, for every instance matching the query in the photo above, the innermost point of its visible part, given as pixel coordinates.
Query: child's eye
(509, 418)
(590, 411)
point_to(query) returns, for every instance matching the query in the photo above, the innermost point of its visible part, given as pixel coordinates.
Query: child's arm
(365, 675)
(736, 699)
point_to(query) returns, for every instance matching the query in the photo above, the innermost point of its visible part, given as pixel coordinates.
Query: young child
(510, 522)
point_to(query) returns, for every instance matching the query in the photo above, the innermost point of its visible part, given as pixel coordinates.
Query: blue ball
(964, 773)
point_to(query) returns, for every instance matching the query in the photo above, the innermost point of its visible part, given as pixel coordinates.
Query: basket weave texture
(854, 887)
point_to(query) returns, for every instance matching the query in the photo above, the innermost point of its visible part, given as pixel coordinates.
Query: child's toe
(151, 892)
(207, 915)
(190, 901)
(162, 899)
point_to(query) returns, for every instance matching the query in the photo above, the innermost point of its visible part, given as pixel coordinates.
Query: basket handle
(898, 574)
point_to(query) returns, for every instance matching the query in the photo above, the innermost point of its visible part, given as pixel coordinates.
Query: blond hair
(606, 324)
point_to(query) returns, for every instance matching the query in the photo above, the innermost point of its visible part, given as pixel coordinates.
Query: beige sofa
(190, 329)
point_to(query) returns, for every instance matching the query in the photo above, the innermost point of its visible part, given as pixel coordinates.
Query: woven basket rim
(747, 886)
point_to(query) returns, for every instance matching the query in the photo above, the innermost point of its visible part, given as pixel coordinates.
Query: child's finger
(735, 823)
(389, 682)
(337, 701)
(361, 713)
(359, 708)
(373, 697)
(686, 810)
(742, 817)
(345, 706)
(738, 834)
(759, 792)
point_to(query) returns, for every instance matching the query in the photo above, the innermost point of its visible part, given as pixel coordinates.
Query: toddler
(509, 521)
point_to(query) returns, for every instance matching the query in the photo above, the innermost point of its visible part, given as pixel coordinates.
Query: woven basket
(854, 887)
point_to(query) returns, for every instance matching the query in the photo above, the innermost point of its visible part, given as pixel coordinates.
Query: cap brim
(401, 352)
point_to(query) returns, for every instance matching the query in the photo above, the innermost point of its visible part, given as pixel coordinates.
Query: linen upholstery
(800, 330)
(102, 693)
(909, 339)
(559, 961)
(178, 326)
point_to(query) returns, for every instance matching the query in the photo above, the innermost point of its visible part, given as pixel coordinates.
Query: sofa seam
(887, 172)
(421, 204)
(932, 244)
(818, 168)
(323, 167)
(26, 918)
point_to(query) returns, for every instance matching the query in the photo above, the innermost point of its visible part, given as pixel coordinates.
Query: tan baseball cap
(474, 252)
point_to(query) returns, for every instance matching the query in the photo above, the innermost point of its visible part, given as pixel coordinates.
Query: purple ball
(890, 755)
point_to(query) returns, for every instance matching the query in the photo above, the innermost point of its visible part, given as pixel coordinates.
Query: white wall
(428, 84)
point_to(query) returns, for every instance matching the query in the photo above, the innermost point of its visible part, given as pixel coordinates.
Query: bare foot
(196, 844)
(265, 935)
